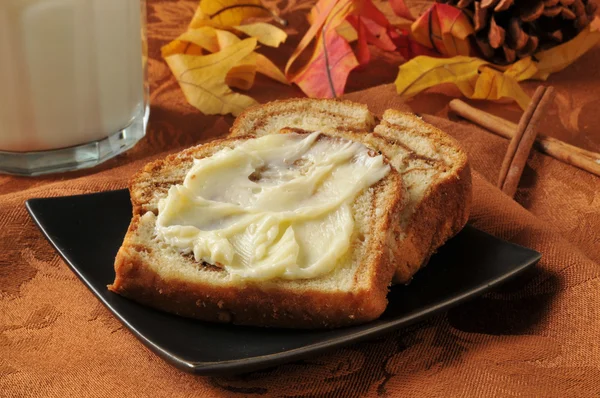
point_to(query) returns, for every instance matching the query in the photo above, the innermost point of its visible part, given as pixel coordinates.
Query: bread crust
(254, 118)
(260, 304)
(443, 211)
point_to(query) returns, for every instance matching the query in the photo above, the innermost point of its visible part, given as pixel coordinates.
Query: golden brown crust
(250, 305)
(439, 216)
(443, 211)
(254, 118)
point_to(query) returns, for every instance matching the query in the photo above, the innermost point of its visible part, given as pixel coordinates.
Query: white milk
(71, 71)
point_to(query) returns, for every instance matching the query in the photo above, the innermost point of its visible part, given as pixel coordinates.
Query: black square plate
(87, 231)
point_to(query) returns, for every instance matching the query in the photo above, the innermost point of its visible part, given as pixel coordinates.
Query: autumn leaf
(241, 76)
(492, 84)
(227, 13)
(557, 58)
(424, 72)
(202, 78)
(265, 33)
(213, 37)
(319, 15)
(407, 46)
(327, 71)
(445, 29)
(372, 33)
(209, 39)
(479, 79)
(362, 55)
(204, 38)
(333, 25)
(399, 7)
(269, 69)
(474, 77)
(347, 31)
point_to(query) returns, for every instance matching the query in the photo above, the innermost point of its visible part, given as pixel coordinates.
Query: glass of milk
(73, 90)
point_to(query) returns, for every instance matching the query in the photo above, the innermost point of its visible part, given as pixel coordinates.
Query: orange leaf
(366, 9)
(328, 69)
(334, 23)
(375, 34)
(444, 29)
(322, 13)
(400, 9)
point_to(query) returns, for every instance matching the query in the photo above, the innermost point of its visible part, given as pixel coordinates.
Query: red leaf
(363, 54)
(366, 9)
(327, 71)
(321, 13)
(379, 35)
(400, 9)
(408, 47)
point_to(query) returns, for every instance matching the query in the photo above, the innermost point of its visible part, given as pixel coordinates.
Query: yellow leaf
(265, 33)
(207, 86)
(559, 57)
(269, 69)
(202, 78)
(241, 76)
(204, 37)
(226, 39)
(423, 72)
(180, 47)
(199, 20)
(492, 84)
(521, 70)
(229, 12)
(474, 77)
(480, 79)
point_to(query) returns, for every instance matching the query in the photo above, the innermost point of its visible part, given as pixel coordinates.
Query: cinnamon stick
(559, 150)
(520, 145)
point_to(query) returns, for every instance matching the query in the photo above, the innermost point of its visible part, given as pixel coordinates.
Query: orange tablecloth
(536, 336)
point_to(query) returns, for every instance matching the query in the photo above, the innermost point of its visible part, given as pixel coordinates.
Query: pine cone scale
(507, 30)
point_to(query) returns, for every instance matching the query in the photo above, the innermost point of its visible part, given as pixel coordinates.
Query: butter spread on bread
(399, 221)
(273, 207)
(434, 168)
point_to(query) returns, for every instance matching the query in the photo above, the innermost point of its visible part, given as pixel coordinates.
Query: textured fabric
(536, 336)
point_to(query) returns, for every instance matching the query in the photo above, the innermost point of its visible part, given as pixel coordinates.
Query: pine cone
(507, 30)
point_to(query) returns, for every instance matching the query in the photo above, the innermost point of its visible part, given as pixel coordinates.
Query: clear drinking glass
(73, 87)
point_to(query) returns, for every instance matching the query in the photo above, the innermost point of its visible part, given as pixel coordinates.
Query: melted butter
(278, 206)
